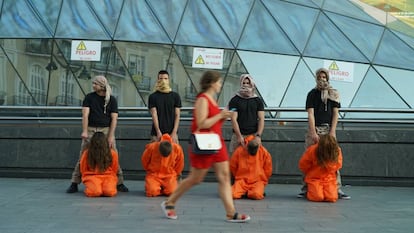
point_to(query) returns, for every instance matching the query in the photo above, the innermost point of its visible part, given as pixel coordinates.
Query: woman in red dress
(207, 116)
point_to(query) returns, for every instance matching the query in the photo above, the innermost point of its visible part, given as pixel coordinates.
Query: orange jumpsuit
(251, 173)
(99, 183)
(321, 182)
(162, 172)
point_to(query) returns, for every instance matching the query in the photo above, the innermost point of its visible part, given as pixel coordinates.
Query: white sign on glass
(340, 71)
(85, 50)
(208, 58)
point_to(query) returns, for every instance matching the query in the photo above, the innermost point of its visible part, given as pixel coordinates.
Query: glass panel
(349, 9)
(231, 83)
(3, 80)
(62, 58)
(269, 37)
(318, 2)
(302, 82)
(200, 28)
(47, 10)
(19, 21)
(78, 21)
(69, 80)
(375, 13)
(328, 42)
(169, 15)
(25, 72)
(270, 68)
(394, 52)
(138, 23)
(185, 54)
(142, 63)
(400, 26)
(368, 41)
(304, 3)
(180, 80)
(371, 88)
(401, 80)
(407, 38)
(297, 21)
(108, 13)
(232, 17)
(347, 89)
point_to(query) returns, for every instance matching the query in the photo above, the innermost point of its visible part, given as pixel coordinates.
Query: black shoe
(343, 196)
(122, 188)
(301, 194)
(73, 188)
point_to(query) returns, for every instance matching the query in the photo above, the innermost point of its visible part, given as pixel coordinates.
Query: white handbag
(205, 143)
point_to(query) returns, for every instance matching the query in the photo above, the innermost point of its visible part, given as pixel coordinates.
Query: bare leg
(224, 187)
(195, 177)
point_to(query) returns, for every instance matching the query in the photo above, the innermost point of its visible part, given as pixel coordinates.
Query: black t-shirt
(322, 115)
(165, 103)
(247, 113)
(97, 117)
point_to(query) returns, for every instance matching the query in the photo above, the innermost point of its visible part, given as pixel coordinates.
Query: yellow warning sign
(81, 46)
(199, 60)
(333, 66)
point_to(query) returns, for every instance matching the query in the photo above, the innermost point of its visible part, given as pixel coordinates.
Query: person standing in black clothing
(99, 114)
(164, 106)
(249, 113)
(322, 105)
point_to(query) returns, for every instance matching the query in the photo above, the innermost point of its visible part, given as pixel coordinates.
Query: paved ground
(42, 206)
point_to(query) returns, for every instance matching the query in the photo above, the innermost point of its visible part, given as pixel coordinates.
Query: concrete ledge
(379, 155)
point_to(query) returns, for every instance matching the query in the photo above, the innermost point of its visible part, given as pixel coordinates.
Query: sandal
(238, 218)
(169, 211)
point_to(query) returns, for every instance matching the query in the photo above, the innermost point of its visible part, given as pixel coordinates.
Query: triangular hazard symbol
(333, 66)
(199, 60)
(81, 46)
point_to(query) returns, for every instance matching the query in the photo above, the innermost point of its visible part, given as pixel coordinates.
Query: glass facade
(367, 46)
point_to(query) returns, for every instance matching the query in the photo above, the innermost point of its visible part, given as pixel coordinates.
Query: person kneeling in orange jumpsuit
(99, 167)
(163, 161)
(251, 168)
(319, 163)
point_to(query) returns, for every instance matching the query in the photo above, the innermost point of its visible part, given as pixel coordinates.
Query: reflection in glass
(372, 87)
(200, 28)
(295, 20)
(392, 47)
(328, 42)
(263, 34)
(280, 43)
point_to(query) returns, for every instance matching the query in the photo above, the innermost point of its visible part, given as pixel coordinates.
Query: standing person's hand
(333, 134)
(259, 140)
(111, 141)
(159, 135)
(315, 137)
(84, 135)
(240, 140)
(174, 137)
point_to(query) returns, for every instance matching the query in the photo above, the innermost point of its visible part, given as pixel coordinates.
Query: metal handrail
(187, 117)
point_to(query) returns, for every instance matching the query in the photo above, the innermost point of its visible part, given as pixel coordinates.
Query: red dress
(206, 161)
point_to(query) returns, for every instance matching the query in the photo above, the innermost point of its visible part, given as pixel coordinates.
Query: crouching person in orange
(319, 163)
(99, 167)
(251, 167)
(163, 161)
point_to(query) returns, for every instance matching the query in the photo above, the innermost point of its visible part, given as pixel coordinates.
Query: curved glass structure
(368, 47)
